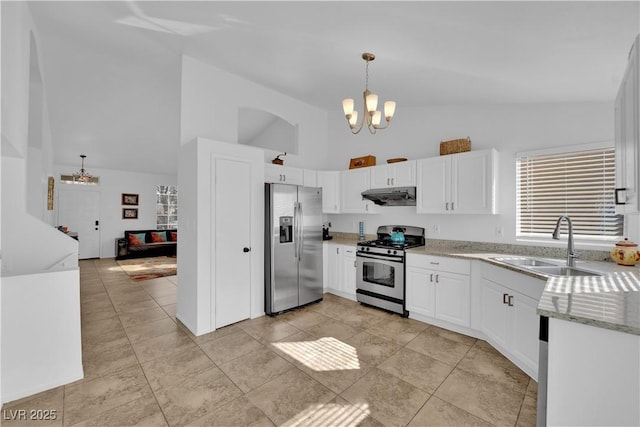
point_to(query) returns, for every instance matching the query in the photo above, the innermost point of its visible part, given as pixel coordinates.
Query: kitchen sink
(525, 262)
(560, 270)
(545, 267)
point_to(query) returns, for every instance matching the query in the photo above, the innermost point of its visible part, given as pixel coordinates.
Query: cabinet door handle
(446, 206)
(452, 206)
(387, 181)
(431, 277)
(284, 177)
(354, 264)
(619, 200)
(366, 208)
(437, 277)
(504, 298)
(434, 263)
(338, 251)
(510, 301)
(393, 181)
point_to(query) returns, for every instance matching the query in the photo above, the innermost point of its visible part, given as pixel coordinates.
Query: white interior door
(232, 198)
(80, 211)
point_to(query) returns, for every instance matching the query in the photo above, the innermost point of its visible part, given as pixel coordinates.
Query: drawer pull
(504, 298)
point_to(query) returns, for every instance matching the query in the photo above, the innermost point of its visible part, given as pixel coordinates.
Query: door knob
(245, 249)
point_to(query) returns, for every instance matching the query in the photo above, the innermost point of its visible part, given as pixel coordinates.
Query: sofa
(147, 243)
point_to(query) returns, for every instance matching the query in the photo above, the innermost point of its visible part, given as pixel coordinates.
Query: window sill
(596, 245)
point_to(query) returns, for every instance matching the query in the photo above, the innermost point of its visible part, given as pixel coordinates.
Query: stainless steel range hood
(398, 196)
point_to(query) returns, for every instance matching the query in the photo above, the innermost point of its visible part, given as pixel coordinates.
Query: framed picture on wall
(129, 199)
(129, 213)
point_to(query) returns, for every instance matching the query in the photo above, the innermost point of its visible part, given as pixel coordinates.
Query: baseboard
(10, 397)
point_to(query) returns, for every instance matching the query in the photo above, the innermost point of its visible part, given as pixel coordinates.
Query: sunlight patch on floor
(331, 414)
(323, 354)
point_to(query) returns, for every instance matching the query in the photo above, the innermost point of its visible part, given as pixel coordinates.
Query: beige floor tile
(390, 400)
(270, 332)
(152, 329)
(398, 329)
(440, 347)
(287, 348)
(100, 326)
(359, 318)
(239, 412)
(99, 305)
(161, 290)
(438, 413)
(119, 299)
(489, 363)
(527, 416)
(143, 412)
(333, 328)
(196, 396)
(170, 310)
(337, 412)
(451, 335)
(492, 401)
(163, 345)
(415, 368)
(337, 380)
(108, 359)
(142, 317)
(133, 306)
(105, 340)
(256, 368)
(372, 349)
(171, 369)
(230, 347)
(90, 398)
(48, 407)
(98, 314)
(166, 300)
(303, 319)
(288, 396)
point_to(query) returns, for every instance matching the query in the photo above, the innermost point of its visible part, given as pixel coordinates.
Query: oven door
(380, 274)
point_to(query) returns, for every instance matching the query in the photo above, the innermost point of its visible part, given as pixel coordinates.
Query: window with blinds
(579, 184)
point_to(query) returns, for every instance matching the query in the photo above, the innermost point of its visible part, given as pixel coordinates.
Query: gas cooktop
(413, 237)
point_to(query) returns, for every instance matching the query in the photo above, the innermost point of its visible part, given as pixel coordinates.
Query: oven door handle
(381, 257)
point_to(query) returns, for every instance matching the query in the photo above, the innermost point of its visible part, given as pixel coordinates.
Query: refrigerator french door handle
(301, 232)
(296, 225)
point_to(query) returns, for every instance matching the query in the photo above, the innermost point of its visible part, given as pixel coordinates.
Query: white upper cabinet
(330, 183)
(354, 182)
(310, 178)
(283, 174)
(461, 183)
(402, 174)
(627, 125)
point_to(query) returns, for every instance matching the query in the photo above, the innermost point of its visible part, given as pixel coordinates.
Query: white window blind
(166, 207)
(579, 184)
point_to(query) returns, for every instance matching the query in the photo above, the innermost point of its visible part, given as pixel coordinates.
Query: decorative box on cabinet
(461, 183)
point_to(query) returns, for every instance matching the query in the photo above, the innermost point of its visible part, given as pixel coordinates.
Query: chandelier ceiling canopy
(371, 116)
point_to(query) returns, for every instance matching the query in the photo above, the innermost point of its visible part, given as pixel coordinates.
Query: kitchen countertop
(611, 301)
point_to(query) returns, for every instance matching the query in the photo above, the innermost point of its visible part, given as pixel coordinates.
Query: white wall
(416, 133)
(112, 184)
(211, 99)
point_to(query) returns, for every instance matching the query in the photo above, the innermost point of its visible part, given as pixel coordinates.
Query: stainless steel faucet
(571, 255)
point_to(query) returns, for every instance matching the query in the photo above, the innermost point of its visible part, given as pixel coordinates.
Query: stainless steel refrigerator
(293, 246)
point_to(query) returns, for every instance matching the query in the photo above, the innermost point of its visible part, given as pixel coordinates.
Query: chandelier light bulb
(353, 120)
(389, 109)
(347, 106)
(372, 102)
(375, 119)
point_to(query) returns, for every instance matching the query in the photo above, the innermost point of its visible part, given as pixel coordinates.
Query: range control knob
(395, 252)
(388, 251)
(368, 249)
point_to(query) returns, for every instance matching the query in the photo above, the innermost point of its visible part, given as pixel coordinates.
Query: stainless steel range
(380, 277)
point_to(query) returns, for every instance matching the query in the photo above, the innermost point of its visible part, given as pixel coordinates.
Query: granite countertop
(611, 301)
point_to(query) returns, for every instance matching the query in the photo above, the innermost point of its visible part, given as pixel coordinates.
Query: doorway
(80, 211)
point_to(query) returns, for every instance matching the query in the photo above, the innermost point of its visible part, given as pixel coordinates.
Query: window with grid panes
(166, 207)
(578, 183)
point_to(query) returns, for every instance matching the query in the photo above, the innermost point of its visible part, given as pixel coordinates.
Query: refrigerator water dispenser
(286, 229)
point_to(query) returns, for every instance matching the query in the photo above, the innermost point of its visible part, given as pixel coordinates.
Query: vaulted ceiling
(111, 69)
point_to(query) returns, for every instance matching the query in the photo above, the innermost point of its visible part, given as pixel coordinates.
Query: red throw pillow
(158, 237)
(174, 236)
(136, 239)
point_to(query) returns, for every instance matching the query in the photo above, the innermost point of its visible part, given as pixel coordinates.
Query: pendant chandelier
(81, 177)
(371, 116)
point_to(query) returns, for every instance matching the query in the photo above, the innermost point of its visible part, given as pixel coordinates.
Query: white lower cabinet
(509, 318)
(439, 288)
(341, 270)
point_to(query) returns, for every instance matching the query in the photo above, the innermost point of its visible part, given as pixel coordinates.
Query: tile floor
(332, 363)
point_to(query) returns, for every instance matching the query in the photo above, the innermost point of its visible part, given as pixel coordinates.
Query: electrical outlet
(436, 229)
(499, 231)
